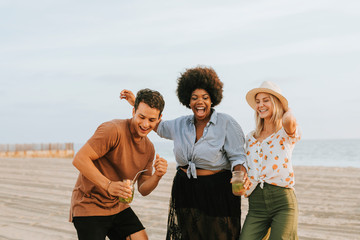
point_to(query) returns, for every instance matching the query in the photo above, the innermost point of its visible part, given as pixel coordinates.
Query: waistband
(266, 185)
(199, 171)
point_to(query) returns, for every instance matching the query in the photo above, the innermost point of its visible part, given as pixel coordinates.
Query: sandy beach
(35, 197)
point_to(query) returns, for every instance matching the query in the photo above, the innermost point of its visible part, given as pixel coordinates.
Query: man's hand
(160, 166)
(128, 95)
(120, 188)
(146, 184)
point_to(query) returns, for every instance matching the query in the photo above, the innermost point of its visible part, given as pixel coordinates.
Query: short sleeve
(104, 139)
(234, 143)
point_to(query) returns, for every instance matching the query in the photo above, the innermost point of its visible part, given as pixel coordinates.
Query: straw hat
(266, 87)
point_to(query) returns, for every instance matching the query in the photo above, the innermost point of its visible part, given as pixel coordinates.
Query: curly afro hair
(199, 78)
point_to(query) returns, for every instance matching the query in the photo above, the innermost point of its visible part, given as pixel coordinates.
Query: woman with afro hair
(207, 145)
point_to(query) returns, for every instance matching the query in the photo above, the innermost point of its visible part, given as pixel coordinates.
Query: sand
(35, 197)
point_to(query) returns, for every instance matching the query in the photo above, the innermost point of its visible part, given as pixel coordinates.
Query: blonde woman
(272, 202)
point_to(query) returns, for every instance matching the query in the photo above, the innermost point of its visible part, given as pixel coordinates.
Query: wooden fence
(54, 150)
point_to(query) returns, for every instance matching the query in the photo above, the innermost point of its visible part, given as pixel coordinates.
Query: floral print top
(270, 160)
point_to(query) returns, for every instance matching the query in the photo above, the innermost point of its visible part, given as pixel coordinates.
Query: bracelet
(107, 189)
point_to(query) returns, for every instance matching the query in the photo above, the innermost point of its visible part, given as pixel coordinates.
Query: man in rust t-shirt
(116, 152)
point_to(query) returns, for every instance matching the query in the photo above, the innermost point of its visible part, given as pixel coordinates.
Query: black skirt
(203, 208)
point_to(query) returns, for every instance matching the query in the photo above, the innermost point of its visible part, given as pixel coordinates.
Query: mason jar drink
(129, 199)
(237, 182)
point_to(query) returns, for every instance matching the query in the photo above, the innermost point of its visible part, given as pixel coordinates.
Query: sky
(64, 63)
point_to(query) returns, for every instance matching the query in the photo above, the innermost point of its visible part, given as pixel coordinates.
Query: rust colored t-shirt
(121, 157)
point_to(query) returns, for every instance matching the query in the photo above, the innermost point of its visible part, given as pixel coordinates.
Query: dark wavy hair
(199, 78)
(152, 98)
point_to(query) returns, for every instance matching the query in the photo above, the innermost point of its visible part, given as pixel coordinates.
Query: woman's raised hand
(128, 95)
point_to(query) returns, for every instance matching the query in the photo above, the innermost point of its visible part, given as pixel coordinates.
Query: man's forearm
(84, 163)
(149, 184)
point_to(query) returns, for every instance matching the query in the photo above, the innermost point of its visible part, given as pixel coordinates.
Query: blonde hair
(276, 118)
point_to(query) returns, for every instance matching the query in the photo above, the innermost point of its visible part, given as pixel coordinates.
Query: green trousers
(271, 207)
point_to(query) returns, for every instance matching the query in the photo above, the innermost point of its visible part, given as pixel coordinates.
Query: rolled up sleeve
(166, 129)
(234, 143)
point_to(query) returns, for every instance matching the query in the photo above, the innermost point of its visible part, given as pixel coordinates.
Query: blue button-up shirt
(220, 147)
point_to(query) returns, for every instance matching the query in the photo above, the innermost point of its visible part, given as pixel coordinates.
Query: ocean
(334, 153)
(330, 153)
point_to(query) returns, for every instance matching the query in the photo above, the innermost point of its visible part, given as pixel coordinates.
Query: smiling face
(264, 105)
(144, 119)
(200, 104)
